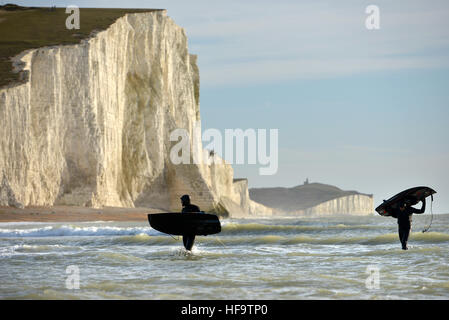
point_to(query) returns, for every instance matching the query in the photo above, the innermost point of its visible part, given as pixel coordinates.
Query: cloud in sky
(294, 40)
(269, 41)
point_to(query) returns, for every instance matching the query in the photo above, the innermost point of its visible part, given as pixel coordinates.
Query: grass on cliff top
(23, 28)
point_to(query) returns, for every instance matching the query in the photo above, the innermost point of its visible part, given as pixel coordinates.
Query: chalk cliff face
(92, 124)
(353, 205)
(314, 199)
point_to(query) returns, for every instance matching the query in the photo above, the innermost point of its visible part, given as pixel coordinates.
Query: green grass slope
(23, 28)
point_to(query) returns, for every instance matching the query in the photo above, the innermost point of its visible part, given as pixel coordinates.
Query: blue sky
(365, 110)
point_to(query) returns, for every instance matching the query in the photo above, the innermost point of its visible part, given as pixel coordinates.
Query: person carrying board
(188, 239)
(404, 215)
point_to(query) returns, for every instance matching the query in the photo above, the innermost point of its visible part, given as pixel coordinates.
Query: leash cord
(431, 216)
(174, 237)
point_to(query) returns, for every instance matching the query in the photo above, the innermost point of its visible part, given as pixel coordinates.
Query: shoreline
(74, 214)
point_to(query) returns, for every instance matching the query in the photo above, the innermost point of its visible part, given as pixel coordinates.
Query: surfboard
(178, 224)
(412, 195)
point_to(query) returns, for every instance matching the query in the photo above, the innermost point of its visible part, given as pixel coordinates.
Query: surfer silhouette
(404, 215)
(188, 239)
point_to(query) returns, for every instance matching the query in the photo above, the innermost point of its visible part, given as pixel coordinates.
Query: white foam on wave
(7, 251)
(71, 231)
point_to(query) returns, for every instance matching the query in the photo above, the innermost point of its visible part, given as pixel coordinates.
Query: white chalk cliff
(356, 204)
(91, 125)
(314, 199)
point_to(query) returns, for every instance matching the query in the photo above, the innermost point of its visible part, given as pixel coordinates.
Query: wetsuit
(405, 221)
(189, 239)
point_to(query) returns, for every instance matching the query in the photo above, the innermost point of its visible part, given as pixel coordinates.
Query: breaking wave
(236, 228)
(68, 231)
(432, 237)
(232, 234)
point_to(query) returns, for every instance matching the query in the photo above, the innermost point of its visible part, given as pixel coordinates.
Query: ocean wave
(252, 228)
(67, 231)
(145, 239)
(280, 240)
(8, 251)
(232, 234)
(231, 229)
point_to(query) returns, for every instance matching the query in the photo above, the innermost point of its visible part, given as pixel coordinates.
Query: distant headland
(314, 199)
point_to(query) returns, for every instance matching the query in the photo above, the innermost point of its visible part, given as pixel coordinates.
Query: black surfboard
(412, 196)
(178, 224)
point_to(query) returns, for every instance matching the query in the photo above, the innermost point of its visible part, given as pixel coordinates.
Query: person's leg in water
(188, 241)
(404, 232)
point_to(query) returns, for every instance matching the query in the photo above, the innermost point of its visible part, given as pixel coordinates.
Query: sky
(364, 110)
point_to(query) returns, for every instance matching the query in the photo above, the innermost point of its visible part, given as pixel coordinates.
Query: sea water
(343, 257)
